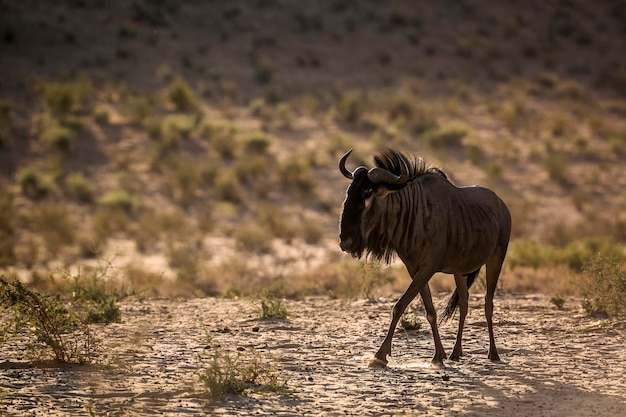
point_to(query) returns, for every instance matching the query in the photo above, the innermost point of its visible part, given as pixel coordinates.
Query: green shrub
(410, 320)
(530, 253)
(80, 188)
(177, 127)
(94, 293)
(271, 307)
(101, 115)
(228, 189)
(557, 167)
(118, 199)
(603, 286)
(250, 169)
(62, 98)
(558, 301)
(257, 143)
(446, 137)
(138, 109)
(228, 372)
(180, 95)
(58, 137)
(185, 179)
(186, 259)
(222, 136)
(32, 182)
(295, 172)
(47, 322)
(351, 106)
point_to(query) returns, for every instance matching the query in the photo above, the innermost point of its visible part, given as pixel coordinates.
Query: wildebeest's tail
(453, 301)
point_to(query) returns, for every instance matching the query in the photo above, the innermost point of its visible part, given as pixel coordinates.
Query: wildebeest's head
(366, 187)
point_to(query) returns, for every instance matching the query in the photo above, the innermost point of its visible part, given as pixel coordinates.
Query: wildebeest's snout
(345, 244)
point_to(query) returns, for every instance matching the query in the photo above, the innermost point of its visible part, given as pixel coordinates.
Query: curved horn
(381, 175)
(342, 166)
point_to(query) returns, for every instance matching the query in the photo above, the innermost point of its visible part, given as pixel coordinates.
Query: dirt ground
(554, 363)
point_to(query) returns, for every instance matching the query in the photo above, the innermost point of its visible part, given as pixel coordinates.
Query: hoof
(494, 358)
(437, 364)
(455, 358)
(377, 363)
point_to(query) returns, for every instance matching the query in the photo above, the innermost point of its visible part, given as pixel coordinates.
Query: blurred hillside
(200, 138)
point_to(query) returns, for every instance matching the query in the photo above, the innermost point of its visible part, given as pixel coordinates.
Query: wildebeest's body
(433, 226)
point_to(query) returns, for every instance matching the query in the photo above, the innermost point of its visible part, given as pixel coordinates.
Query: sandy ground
(554, 363)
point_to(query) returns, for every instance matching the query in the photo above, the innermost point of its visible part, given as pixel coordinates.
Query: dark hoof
(494, 357)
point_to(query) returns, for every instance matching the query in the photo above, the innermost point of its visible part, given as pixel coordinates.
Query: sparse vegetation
(48, 322)
(271, 307)
(227, 372)
(558, 301)
(603, 285)
(410, 320)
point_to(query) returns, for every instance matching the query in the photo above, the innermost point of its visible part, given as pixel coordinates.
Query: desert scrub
(79, 188)
(58, 137)
(62, 98)
(351, 106)
(118, 200)
(295, 174)
(94, 292)
(270, 306)
(225, 372)
(181, 96)
(410, 320)
(603, 286)
(47, 323)
(446, 137)
(32, 182)
(558, 301)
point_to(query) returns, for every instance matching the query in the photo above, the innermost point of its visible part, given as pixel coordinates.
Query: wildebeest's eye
(368, 193)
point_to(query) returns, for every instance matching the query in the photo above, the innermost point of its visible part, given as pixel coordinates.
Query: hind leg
(431, 316)
(494, 266)
(461, 287)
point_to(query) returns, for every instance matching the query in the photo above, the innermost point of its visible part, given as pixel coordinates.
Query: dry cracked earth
(554, 363)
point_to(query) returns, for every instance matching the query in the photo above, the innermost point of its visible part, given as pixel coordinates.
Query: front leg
(419, 281)
(431, 316)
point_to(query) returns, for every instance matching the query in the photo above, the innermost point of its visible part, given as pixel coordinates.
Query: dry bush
(62, 98)
(181, 96)
(223, 371)
(603, 285)
(48, 323)
(33, 183)
(79, 188)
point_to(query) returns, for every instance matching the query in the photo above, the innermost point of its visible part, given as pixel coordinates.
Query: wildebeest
(403, 207)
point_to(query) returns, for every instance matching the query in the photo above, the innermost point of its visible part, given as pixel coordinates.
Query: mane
(379, 243)
(392, 161)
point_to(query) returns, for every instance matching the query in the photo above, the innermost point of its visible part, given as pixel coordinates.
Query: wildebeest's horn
(342, 166)
(381, 175)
